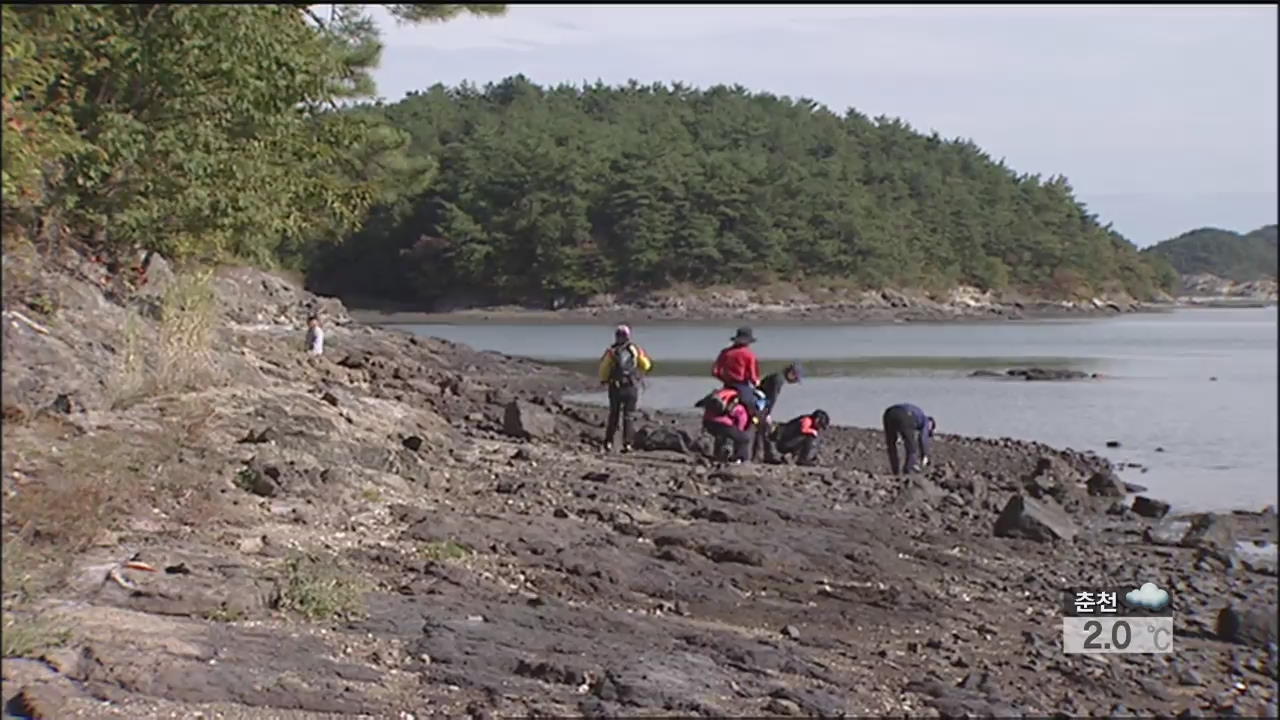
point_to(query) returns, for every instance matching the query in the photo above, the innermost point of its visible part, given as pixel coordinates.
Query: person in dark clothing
(771, 386)
(799, 437)
(622, 370)
(738, 368)
(910, 423)
(726, 419)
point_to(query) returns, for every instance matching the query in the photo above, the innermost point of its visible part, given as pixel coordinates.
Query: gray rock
(1147, 507)
(1211, 532)
(65, 405)
(916, 490)
(1156, 690)
(1040, 520)
(1043, 374)
(1106, 484)
(261, 480)
(782, 706)
(1252, 626)
(525, 420)
(985, 373)
(663, 438)
(42, 700)
(1169, 532)
(1190, 678)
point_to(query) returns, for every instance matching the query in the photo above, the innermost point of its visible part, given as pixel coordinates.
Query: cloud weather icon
(1148, 596)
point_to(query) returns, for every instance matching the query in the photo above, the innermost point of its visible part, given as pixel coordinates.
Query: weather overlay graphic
(1121, 619)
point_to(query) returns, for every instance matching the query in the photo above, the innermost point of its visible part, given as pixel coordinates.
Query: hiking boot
(608, 447)
(627, 448)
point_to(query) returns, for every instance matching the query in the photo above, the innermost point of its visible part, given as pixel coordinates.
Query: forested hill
(571, 191)
(1223, 253)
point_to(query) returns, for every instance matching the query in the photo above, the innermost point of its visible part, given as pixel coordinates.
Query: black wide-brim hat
(743, 335)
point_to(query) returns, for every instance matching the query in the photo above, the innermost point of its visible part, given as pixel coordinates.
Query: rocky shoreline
(406, 528)
(868, 307)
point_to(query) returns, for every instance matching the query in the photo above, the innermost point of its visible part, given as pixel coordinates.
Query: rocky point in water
(1036, 374)
(406, 527)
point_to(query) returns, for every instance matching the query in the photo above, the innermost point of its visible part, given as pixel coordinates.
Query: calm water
(1219, 437)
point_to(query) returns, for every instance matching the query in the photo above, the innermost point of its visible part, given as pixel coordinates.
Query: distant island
(596, 195)
(1226, 254)
(1218, 265)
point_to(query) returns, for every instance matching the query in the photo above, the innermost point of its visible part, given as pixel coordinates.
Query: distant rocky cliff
(1203, 287)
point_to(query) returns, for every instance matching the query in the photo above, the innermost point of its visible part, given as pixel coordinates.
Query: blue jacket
(922, 425)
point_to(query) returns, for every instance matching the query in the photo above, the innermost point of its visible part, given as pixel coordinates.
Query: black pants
(804, 447)
(724, 435)
(622, 403)
(898, 423)
(763, 443)
(746, 396)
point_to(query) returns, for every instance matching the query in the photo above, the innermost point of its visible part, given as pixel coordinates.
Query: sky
(1163, 118)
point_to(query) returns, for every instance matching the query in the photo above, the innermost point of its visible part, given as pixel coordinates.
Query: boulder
(1105, 484)
(41, 701)
(1252, 626)
(1169, 532)
(1211, 532)
(524, 420)
(1264, 561)
(1040, 520)
(1149, 508)
(663, 438)
(1057, 479)
(1046, 374)
(261, 479)
(918, 490)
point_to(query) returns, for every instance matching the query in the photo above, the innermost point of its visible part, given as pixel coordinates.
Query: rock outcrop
(405, 524)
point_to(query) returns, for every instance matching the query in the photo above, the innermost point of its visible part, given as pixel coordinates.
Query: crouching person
(727, 421)
(799, 437)
(910, 424)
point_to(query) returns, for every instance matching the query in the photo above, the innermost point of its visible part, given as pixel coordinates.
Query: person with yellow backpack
(622, 369)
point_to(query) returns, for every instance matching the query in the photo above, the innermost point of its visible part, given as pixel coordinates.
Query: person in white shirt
(315, 336)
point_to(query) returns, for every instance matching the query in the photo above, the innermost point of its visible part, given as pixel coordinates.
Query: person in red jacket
(738, 368)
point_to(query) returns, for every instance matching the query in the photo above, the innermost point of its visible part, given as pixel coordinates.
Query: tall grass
(180, 356)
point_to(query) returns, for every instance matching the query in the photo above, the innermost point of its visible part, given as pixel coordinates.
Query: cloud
(1148, 596)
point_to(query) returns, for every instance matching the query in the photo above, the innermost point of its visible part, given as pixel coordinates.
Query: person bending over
(799, 437)
(622, 369)
(726, 419)
(908, 422)
(771, 386)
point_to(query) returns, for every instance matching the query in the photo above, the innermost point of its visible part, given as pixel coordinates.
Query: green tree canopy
(1221, 252)
(199, 130)
(562, 192)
